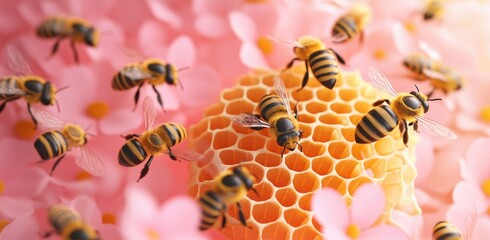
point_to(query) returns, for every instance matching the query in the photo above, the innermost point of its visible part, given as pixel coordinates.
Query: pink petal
(30, 13)
(23, 227)
(87, 209)
(412, 225)
(195, 80)
(11, 207)
(10, 151)
(424, 152)
(29, 183)
(404, 42)
(368, 205)
(383, 231)
(477, 159)
(251, 56)
(182, 52)
(120, 121)
(151, 35)
(177, 223)
(211, 26)
(243, 26)
(334, 233)
(482, 229)
(164, 13)
(330, 209)
(463, 216)
(138, 212)
(466, 193)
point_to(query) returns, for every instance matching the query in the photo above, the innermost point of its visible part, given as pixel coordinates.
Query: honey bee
(33, 88)
(277, 116)
(154, 141)
(57, 142)
(352, 23)
(76, 29)
(68, 224)
(444, 230)
(321, 61)
(434, 9)
(153, 71)
(405, 109)
(230, 186)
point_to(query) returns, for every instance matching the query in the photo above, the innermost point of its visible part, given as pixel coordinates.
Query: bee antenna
(62, 88)
(434, 99)
(182, 69)
(417, 88)
(299, 146)
(57, 105)
(181, 86)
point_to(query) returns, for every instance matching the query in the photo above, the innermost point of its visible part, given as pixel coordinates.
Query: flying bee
(277, 116)
(69, 225)
(444, 230)
(405, 109)
(78, 30)
(62, 138)
(229, 187)
(352, 23)
(34, 89)
(434, 9)
(153, 71)
(154, 141)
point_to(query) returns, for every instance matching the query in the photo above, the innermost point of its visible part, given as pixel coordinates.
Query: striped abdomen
(211, 207)
(324, 66)
(172, 133)
(51, 144)
(446, 231)
(128, 77)
(417, 63)
(376, 124)
(345, 27)
(60, 216)
(132, 153)
(9, 88)
(270, 105)
(53, 27)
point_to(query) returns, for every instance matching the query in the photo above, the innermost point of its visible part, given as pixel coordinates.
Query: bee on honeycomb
(330, 157)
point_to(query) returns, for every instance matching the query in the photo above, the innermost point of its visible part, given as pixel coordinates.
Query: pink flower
(357, 221)
(143, 218)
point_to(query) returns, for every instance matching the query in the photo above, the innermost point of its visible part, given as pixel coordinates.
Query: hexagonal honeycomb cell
(330, 156)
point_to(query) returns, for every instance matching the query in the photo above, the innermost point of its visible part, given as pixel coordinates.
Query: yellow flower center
(379, 54)
(255, 1)
(2, 186)
(410, 27)
(3, 224)
(108, 218)
(265, 45)
(153, 234)
(353, 231)
(488, 210)
(97, 110)
(24, 129)
(83, 175)
(486, 187)
(485, 114)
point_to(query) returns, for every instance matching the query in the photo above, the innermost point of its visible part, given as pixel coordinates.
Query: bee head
(47, 94)
(306, 46)
(90, 35)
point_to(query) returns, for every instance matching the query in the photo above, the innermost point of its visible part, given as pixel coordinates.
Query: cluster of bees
(231, 185)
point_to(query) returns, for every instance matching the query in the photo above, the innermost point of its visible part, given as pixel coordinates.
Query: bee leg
(416, 126)
(2, 106)
(137, 96)
(361, 37)
(292, 62)
(305, 77)
(74, 49)
(403, 131)
(56, 45)
(159, 97)
(283, 150)
(379, 102)
(48, 234)
(432, 92)
(241, 216)
(146, 168)
(223, 217)
(172, 156)
(32, 115)
(56, 164)
(129, 136)
(339, 58)
(296, 109)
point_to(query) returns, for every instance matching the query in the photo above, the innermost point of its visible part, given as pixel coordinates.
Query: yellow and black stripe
(52, 27)
(324, 66)
(446, 231)
(51, 144)
(132, 153)
(212, 206)
(270, 105)
(376, 124)
(124, 81)
(418, 63)
(61, 216)
(346, 26)
(172, 133)
(6, 84)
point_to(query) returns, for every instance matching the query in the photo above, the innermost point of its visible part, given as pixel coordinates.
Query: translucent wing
(379, 80)
(340, 37)
(432, 53)
(250, 120)
(13, 91)
(47, 120)
(186, 155)
(90, 162)
(17, 62)
(149, 112)
(436, 128)
(435, 74)
(281, 92)
(135, 73)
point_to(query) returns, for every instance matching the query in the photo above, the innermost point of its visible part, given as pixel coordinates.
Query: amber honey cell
(330, 156)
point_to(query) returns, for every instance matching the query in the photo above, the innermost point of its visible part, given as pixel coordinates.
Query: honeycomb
(330, 156)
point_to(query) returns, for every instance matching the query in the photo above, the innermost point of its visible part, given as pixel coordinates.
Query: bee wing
(47, 120)
(250, 120)
(136, 73)
(17, 62)
(149, 112)
(435, 128)
(281, 92)
(90, 162)
(186, 155)
(434, 74)
(379, 80)
(431, 52)
(6, 90)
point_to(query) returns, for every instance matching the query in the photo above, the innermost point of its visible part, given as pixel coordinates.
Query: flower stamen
(153, 234)
(486, 187)
(485, 114)
(109, 218)
(82, 176)
(379, 54)
(265, 44)
(97, 109)
(2, 186)
(3, 224)
(24, 129)
(353, 231)
(410, 27)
